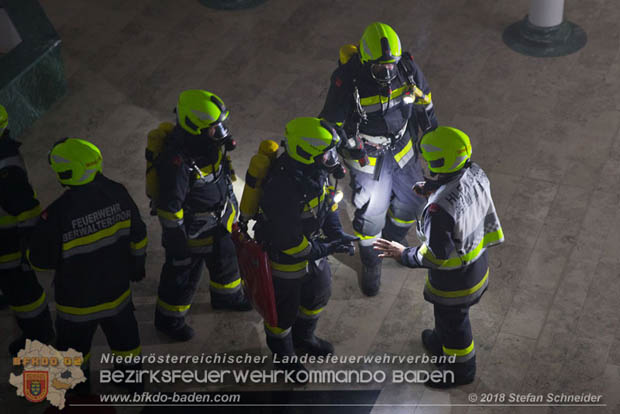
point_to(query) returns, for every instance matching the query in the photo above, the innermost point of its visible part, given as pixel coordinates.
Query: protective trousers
(179, 279)
(385, 205)
(453, 330)
(299, 303)
(121, 332)
(28, 301)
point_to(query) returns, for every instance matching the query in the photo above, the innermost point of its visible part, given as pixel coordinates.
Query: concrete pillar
(546, 13)
(544, 32)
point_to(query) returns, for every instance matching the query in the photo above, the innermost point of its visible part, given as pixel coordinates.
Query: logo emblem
(35, 385)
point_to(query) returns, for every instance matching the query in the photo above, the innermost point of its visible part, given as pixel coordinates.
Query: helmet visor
(383, 72)
(218, 132)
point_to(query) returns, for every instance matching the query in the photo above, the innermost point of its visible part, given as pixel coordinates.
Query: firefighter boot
(235, 302)
(371, 271)
(455, 374)
(392, 232)
(306, 341)
(283, 349)
(175, 328)
(431, 342)
(38, 328)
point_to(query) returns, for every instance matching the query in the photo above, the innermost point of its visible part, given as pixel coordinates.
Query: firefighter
(457, 226)
(19, 210)
(94, 239)
(299, 226)
(383, 99)
(197, 208)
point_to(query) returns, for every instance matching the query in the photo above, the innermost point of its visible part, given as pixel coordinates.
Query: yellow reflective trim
(29, 214)
(173, 308)
(141, 244)
(167, 215)
(423, 99)
(399, 220)
(293, 250)
(458, 261)
(363, 236)
(200, 242)
(459, 352)
(7, 221)
(404, 151)
(31, 306)
(315, 201)
(289, 267)
(101, 234)
(309, 312)
(10, 257)
(133, 352)
(457, 293)
(208, 169)
(94, 309)
(231, 285)
(86, 359)
(371, 100)
(231, 219)
(275, 329)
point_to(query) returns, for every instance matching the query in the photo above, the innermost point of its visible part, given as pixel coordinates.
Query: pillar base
(531, 40)
(231, 4)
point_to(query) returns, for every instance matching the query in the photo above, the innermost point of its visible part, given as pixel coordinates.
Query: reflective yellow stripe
(39, 269)
(363, 236)
(458, 261)
(275, 329)
(29, 214)
(371, 100)
(423, 99)
(10, 257)
(173, 308)
(208, 169)
(289, 267)
(86, 359)
(232, 217)
(133, 352)
(101, 234)
(399, 220)
(293, 250)
(200, 242)
(459, 352)
(139, 245)
(231, 285)
(310, 312)
(167, 215)
(457, 293)
(31, 306)
(404, 151)
(94, 309)
(315, 201)
(8, 221)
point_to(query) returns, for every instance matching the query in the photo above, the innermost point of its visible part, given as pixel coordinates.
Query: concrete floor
(545, 130)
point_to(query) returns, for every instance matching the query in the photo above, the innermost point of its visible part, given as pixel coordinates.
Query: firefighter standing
(19, 210)
(197, 208)
(94, 238)
(457, 225)
(299, 225)
(387, 92)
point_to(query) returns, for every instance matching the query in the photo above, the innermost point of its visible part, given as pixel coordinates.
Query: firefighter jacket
(94, 239)
(296, 214)
(457, 225)
(391, 120)
(19, 207)
(195, 193)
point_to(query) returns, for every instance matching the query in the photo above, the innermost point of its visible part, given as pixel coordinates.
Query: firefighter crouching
(456, 227)
(94, 239)
(197, 208)
(19, 211)
(299, 226)
(383, 99)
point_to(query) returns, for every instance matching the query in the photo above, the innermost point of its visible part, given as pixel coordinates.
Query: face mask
(383, 73)
(329, 161)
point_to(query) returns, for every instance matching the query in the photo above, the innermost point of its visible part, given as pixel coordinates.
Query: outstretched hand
(389, 249)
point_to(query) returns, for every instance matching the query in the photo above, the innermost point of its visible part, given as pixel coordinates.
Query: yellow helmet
(445, 149)
(198, 110)
(307, 138)
(75, 161)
